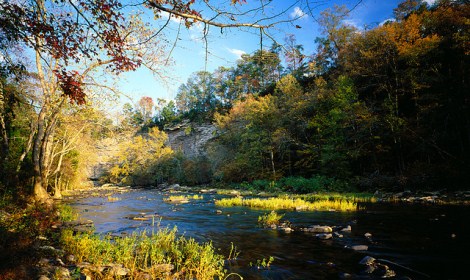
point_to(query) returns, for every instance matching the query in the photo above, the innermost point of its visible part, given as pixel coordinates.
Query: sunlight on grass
(270, 219)
(113, 199)
(183, 198)
(161, 255)
(356, 197)
(274, 203)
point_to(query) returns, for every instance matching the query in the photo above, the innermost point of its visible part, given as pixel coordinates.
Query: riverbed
(417, 241)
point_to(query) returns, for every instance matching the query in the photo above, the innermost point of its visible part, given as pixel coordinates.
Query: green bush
(317, 183)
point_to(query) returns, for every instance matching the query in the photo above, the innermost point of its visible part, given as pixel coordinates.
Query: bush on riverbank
(298, 185)
(160, 255)
(23, 230)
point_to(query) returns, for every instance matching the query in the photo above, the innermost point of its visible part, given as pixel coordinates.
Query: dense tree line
(381, 107)
(386, 106)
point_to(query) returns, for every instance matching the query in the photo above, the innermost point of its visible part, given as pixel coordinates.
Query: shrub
(185, 258)
(270, 219)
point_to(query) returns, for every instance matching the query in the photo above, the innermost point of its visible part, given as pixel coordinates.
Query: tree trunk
(39, 190)
(272, 164)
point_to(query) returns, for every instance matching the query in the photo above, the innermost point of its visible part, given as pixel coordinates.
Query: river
(433, 240)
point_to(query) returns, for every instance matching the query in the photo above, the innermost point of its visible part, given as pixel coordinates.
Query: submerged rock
(324, 236)
(339, 235)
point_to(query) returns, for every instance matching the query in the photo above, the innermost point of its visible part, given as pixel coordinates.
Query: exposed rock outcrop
(190, 138)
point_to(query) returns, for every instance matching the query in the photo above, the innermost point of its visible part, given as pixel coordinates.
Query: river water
(430, 239)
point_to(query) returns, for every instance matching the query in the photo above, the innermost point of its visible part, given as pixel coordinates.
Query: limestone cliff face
(106, 150)
(191, 139)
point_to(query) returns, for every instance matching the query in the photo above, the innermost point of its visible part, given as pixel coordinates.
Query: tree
(248, 139)
(337, 37)
(139, 159)
(71, 40)
(198, 94)
(295, 59)
(63, 36)
(145, 106)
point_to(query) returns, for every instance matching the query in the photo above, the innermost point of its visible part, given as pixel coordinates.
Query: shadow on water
(431, 239)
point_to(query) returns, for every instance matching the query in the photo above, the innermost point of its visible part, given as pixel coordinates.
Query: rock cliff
(191, 139)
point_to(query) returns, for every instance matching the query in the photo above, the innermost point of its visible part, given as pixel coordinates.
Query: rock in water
(320, 229)
(324, 236)
(360, 247)
(339, 235)
(346, 229)
(367, 260)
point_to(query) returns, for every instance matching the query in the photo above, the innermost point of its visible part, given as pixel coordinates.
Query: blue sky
(189, 54)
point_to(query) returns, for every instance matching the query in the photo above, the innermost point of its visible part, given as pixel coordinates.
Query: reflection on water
(414, 236)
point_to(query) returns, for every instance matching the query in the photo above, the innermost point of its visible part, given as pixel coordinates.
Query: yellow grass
(113, 199)
(275, 203)
(182, 198)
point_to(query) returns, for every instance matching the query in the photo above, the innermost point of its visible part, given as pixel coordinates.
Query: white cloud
(237, 53)
(430, 2)
(352, 22)
(173, 18)
(298, 13)
(387, 20)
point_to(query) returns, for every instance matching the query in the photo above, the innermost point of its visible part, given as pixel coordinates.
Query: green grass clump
(142, 253)
(275, 203)
(356, 197)
(196, 197)
(270, 219)
(183, 198)
(66, 213)
(113, 198)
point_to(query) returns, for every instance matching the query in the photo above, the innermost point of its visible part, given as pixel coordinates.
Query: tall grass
(270, 219)
(183, 258)
(183, 198)
(275, 203)
(356, 197)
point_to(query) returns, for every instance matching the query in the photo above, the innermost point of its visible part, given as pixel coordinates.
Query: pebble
(60, 262)
(70, 258)
(43, 261)
(345, 275)
(320, 229)
(369, 269)
(287, 229)
(367, 260)
(339, 235)
(360, 247)
(346, 229)
(324, 236)
(63, 273)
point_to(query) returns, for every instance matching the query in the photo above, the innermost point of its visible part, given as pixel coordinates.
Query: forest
(385, 107)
